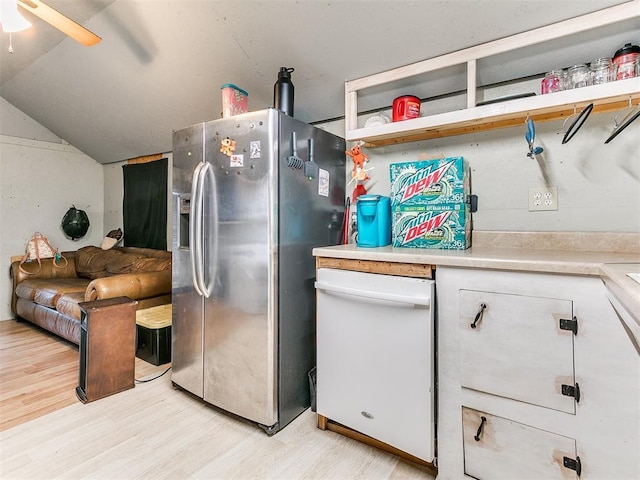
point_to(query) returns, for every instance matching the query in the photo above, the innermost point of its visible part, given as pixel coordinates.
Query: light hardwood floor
(39, 372)
(153, 430)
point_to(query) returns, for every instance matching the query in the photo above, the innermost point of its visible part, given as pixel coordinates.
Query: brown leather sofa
(50, 297)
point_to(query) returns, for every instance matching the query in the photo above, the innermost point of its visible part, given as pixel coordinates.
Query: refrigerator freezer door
(187, 304)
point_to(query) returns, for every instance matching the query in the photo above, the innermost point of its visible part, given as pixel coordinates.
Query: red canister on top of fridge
(234, 100)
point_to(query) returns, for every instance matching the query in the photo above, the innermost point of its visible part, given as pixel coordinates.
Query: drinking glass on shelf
(602, 71)
(553, 81)
(578, 76)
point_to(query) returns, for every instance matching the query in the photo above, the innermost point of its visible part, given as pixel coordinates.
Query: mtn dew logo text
(420, 182)
(424, 225)
(441, 181)
(444, 228)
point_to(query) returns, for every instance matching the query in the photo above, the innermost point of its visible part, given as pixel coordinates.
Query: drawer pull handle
(479, 315)
(367, 415)
(479, 432)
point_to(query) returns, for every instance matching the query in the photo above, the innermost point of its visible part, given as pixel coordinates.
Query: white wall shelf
(607, 97)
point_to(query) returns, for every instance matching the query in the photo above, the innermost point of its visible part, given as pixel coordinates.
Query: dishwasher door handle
(356, 292)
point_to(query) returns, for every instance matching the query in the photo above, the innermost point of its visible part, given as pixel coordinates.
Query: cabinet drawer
(517, 349)
(504, 449)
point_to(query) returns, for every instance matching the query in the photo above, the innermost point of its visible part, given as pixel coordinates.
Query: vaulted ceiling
(160, 64)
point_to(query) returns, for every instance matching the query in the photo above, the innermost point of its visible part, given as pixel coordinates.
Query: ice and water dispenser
(374, 220)
(184, 207)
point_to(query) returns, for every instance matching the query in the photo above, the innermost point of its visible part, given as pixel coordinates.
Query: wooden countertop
(626, 289)
(519, 259)
(511, 252)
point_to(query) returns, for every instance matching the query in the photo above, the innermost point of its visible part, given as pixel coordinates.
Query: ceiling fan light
(10, 18)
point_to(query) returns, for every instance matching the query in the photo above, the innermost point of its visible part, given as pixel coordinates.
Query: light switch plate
(543, 198)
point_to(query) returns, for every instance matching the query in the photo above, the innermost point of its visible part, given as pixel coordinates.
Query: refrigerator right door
(239, 320)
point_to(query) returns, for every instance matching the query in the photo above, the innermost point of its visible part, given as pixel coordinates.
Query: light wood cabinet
(506, 338)
(515, 346)
(521, 451)
(513, 380)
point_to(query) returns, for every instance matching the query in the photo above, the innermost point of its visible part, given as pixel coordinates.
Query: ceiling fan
(60, 21)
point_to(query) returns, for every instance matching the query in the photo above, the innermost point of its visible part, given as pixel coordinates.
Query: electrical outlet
(543, 198)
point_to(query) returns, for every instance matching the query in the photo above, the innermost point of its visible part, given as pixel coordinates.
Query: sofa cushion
(46, 292)
(121, 263)
(147, 252)
(67, 304)
(91, 262)
(150, 264)
(49, 319)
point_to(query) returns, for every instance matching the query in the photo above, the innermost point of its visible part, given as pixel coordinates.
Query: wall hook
(577, 123)
(619, 124)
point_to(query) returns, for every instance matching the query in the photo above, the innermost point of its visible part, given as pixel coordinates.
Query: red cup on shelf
(405, 108)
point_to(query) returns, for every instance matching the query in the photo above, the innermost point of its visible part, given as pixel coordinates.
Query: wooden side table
(107, 347)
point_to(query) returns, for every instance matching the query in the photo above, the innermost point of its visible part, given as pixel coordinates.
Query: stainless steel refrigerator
(252, 195)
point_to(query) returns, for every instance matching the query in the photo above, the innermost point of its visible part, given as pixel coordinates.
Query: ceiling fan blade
(61, 22)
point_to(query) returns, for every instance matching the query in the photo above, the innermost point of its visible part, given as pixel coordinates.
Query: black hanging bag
(75, 223)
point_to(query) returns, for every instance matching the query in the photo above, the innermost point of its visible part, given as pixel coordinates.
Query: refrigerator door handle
(195, 225)
(356, 292)
(200, 229)
(212, 236)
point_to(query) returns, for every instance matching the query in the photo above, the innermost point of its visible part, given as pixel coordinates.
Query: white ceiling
(160, 64)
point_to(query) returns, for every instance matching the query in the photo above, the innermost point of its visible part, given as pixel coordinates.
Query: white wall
(598, 184)
(113, 195)
(41, 176)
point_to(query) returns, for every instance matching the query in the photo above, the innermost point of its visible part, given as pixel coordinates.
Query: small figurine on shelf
(359, 158)
(358, 172)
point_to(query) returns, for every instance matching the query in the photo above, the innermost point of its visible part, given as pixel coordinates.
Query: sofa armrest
(47, 270)
(136, 286)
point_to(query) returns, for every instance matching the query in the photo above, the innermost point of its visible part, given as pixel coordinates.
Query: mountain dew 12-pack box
(446, 227)
(429, 204)
(432, 182)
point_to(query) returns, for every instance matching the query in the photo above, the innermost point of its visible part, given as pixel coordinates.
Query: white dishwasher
(375, 357)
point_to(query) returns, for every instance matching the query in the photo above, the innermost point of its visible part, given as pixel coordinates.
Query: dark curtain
(145, 204)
